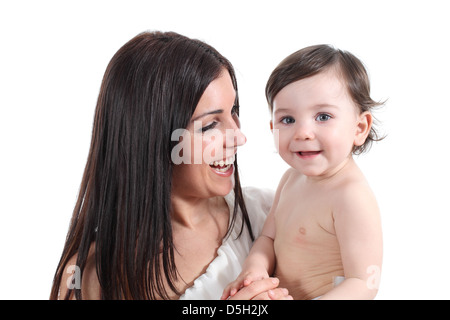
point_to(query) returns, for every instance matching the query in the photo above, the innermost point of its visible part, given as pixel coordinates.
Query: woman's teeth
(222, 165)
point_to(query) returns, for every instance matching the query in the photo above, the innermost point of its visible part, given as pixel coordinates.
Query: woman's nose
(234, 138)
(240, 138)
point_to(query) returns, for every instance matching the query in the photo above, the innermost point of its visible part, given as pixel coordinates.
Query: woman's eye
(323, 117)
(209, 126)
(287, 120)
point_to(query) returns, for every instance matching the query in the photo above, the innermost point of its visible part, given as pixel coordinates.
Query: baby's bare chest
(305, 243)
(304, 215)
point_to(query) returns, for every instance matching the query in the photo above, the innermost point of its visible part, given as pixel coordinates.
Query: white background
(52, 58)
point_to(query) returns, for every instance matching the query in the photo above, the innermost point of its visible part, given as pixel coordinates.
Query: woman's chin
(222, 181)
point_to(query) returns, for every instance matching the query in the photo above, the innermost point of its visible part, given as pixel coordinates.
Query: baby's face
(317, 123)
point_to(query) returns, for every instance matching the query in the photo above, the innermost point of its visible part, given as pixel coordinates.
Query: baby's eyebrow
(284, 110)
(326, 105)
(315, 106)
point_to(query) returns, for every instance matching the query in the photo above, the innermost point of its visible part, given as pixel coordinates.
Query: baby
(324, 228)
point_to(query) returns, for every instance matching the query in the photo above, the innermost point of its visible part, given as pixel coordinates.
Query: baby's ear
(363, 127)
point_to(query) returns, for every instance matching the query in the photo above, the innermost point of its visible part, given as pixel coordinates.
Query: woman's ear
(271, 126)
(363, 127)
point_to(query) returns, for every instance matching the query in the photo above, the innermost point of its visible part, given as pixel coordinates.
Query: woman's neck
(190, 212)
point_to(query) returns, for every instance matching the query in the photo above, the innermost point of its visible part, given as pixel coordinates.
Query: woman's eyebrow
(207, 113)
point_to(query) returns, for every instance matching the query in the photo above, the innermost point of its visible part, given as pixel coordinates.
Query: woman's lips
(223, 168)
(224, 171)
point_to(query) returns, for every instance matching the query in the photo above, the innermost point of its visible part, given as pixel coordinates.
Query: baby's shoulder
(290, 175)
(354, 184)
(354, 195)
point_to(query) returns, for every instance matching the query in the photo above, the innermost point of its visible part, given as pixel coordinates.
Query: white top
(231, 254)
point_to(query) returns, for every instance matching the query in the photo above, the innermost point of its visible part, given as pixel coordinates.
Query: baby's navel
(302, 230)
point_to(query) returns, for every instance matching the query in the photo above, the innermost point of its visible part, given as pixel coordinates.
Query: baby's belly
(307, 272)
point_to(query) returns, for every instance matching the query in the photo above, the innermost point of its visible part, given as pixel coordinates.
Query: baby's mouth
(308, 153)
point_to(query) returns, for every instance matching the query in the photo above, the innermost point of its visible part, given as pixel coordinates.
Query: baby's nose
(304, 132)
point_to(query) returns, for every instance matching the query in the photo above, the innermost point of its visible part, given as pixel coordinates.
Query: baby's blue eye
(323, 117)
(287, 120)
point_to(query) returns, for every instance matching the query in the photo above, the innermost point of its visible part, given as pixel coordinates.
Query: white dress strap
(232, 253)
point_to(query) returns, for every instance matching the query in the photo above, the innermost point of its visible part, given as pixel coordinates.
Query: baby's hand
(243, 280)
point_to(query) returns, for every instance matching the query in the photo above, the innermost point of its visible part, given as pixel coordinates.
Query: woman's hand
(245, 278)
(265, 289)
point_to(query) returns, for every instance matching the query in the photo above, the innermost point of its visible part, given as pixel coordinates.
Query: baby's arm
(358, 229)
(260, 261)
(257, 266)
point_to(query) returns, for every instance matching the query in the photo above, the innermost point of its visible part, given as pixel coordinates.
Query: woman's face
(203, 161)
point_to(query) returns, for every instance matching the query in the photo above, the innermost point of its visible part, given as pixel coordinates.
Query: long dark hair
(151, 87)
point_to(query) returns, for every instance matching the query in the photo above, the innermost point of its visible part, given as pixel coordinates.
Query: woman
(147, 225)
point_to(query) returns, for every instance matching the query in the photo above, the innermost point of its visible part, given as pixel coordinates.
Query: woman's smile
(223, 168)
(224, 171)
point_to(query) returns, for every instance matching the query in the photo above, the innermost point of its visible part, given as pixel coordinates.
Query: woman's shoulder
(72, 279)
(259, 199)
(258, 202)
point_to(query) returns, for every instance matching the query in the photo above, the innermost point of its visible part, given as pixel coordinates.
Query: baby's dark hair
(310, 61)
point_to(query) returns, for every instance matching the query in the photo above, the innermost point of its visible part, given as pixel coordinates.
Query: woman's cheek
(212, 146)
